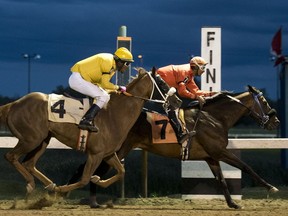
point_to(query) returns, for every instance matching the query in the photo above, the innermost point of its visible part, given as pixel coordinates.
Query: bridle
(154, 85)
(262, 117)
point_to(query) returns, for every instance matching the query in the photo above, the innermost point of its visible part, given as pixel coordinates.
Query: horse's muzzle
(273, 123)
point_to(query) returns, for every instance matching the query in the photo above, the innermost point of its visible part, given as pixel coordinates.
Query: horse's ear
(251, 89)
(140, 70)
(154, 70)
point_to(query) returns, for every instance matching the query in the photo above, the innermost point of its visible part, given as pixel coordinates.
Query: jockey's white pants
(77, 83)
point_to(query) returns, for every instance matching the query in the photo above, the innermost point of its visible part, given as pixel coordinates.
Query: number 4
(59, 110)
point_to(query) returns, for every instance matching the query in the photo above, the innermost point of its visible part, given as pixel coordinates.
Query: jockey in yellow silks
(91, 77)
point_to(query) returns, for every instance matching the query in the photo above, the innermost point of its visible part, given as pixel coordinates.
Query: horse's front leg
(233, 160)
(92, 163)
(217, 172)
(114, 162)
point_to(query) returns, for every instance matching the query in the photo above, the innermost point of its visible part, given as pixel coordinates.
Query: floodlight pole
(29, 57)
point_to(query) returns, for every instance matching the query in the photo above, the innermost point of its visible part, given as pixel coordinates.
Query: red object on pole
(276, 47)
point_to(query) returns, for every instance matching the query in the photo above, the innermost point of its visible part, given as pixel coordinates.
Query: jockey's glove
(122, 88)
(201, 100)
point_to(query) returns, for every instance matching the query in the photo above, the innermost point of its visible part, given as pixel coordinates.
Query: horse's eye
(264, 102)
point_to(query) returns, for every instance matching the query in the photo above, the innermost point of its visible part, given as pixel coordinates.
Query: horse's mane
(141, 72)
(224, 94)
(219, 96)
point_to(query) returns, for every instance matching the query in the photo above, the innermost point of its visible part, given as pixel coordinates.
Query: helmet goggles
(201, 67)
(125, 63)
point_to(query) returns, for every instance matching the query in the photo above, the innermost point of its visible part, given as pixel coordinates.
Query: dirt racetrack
(44, 206)
(153, 207)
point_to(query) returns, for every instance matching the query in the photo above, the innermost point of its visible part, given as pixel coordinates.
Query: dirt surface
(144, 206)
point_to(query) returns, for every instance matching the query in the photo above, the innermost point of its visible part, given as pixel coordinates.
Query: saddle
(66, 109)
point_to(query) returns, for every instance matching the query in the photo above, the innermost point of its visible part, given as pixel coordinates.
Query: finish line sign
(211, 52)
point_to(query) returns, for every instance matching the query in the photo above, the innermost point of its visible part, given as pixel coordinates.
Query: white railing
(190, 169)
(257, 143)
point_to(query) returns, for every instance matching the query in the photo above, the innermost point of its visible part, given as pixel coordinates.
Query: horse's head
(141, 84)
(261, 110)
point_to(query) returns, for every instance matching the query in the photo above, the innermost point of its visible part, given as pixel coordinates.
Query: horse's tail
(4, 111)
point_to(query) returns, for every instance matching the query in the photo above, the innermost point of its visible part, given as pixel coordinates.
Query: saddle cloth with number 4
(65, 109)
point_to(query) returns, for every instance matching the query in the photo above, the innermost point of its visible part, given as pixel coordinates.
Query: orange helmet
(124, 54)
(198, 61)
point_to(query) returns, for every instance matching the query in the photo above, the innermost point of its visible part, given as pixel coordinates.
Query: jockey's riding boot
(87, 122)
(182, 135)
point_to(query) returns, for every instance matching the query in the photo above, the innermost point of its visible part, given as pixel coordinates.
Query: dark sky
(163, 31)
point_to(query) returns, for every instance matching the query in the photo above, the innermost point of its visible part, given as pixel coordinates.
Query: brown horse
(218, 115)
(28, 121)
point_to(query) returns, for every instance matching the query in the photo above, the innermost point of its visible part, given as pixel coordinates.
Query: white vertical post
(211, 52)
(197, 178)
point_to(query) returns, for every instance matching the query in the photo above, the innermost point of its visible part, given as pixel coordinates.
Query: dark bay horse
(218, 115)
(28, 121)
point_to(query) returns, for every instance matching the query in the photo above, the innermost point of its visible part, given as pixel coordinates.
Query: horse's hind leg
(93, 161)
(114, 162)
(13, 157)
(217, 172)
(233, 160)
(30, 161)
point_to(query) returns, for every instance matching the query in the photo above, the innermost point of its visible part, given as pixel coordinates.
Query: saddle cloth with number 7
(162, 131)
(65, 109)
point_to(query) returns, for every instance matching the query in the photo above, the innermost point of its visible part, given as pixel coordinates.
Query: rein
(264, 118)
(142, 98)
(150, 99)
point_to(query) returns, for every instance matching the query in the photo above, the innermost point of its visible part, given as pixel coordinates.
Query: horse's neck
(241, 108)
(246, 99)
(229, 112)
(123, 111)
(123, 105)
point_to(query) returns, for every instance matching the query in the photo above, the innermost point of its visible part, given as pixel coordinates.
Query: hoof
(51, 187)
(93, 202)
(95, 179)
(239, 207)
(95, 205)
(273, 190)
(29, 188)
(235, 206)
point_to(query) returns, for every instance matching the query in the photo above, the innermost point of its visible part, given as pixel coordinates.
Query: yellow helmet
(124, 54)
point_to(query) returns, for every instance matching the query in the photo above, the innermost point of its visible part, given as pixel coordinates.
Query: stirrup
(186, 136)
(182, 138)
(87, 125)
